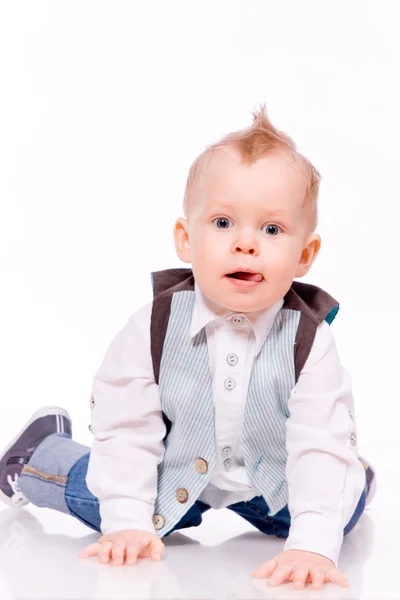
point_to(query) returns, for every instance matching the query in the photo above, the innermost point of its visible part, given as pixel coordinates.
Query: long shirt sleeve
(128, 430)
(324, 474)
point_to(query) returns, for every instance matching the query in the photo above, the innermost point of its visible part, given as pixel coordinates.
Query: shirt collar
(205, 311)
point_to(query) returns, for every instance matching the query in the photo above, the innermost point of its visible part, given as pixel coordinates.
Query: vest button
(353, 439)
(182, 495)
(158, 521)
(90, 428)
(201, 466)
(92, 402)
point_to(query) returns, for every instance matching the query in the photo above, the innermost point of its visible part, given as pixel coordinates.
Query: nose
(245, 243)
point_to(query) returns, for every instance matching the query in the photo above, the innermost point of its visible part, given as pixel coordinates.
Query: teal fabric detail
(258, 462)
(330, 316)
(283, 483)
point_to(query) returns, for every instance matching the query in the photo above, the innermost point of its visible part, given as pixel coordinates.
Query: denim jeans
(55, 477)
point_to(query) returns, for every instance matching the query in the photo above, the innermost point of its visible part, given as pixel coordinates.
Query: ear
(308, 254)
(181, 235)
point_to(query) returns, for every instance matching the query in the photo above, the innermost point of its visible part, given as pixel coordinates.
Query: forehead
(277, 178)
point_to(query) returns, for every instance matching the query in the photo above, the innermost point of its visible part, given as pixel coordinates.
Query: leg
(81, 502)
(44, 466)
(55, 477)
(192, 518)
(256, 512)
(45, 422)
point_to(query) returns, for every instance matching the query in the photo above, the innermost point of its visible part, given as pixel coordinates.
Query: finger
(157, 550)
(266, 569)
(317, 578)
(104, 552)
(280, 575)
(91, 550)
(118, 552)
(299, 578)
(336, 576)
(132, 551)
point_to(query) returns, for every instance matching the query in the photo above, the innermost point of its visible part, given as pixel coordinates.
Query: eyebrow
(219, 207)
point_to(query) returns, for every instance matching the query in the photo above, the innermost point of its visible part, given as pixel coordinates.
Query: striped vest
(182, 371)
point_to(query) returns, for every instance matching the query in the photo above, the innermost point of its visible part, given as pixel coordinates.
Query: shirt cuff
(313, 532)
(118, 514)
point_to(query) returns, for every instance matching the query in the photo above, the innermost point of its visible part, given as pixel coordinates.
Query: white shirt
(324, 474)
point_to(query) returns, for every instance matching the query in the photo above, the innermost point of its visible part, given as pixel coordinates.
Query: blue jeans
(55, 477)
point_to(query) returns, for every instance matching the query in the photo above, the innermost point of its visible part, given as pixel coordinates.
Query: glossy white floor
(39, 558)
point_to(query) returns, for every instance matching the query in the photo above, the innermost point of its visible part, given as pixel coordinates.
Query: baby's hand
(300, 567)
(132, 543)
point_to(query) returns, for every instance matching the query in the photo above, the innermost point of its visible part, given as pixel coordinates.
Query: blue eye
(272, 229)
(224, 223)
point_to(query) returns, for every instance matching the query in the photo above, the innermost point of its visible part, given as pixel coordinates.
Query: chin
(245, 304)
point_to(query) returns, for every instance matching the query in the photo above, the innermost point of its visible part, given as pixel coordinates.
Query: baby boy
(225, 391)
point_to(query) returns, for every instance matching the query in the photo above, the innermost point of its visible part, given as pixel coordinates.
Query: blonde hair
(252, 143)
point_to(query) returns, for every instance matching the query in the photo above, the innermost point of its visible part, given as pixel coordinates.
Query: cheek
(207, 246)
(205, 252)
(283, 257)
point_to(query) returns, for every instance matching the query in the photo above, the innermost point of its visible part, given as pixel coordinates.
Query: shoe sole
(45, 411)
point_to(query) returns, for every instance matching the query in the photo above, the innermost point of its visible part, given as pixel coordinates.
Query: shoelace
(17, 496)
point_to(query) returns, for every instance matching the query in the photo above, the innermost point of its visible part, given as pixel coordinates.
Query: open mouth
(246, 276)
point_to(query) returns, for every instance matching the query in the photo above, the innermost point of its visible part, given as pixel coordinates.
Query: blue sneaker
(44, 422)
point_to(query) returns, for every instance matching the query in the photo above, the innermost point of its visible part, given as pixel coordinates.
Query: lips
(246, 276)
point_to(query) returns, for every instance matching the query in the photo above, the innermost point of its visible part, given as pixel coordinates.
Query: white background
(104, 106)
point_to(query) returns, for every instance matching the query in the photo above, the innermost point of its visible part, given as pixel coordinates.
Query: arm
(128, 430)
(324, 474)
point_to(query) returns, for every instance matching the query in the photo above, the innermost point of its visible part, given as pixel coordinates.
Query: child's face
(247, 218)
